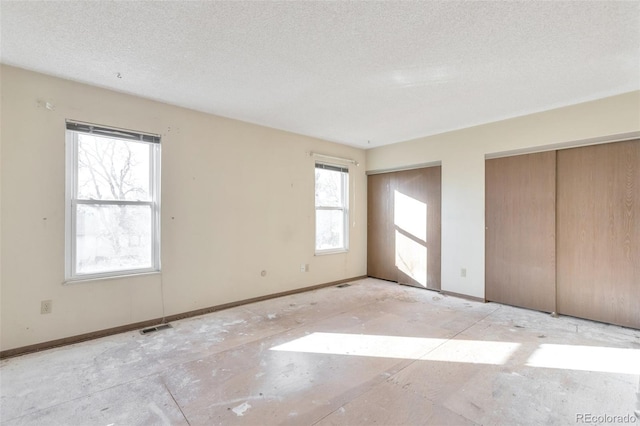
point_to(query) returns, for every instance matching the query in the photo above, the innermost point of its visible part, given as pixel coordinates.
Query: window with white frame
(113, 202)
(332, 208)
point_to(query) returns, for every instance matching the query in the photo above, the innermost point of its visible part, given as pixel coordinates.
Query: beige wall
(236, 199)
(463, 152)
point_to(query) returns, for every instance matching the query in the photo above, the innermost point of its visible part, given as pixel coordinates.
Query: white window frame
(344, 208)
(73, 128)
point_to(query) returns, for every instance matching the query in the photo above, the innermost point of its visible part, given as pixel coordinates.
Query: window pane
(113, 169)
(329, 188)
(111, 238)
(329, 229)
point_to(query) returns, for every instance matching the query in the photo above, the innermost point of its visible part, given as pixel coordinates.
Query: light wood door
(416, 226)
(380, 255)
(520, 230)
(599, 233)
(404, 227)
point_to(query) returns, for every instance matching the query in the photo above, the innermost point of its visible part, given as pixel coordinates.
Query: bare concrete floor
(371, 353)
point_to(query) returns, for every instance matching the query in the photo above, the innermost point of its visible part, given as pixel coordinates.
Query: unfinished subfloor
(370, 353)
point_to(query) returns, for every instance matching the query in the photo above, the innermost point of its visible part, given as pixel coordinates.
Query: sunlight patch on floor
(586, 358)
(418, 348)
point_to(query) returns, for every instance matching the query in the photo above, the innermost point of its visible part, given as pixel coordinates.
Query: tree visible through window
(332, 214)
(112, 202)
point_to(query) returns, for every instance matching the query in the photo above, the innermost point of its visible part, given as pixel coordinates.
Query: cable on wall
(164, 318)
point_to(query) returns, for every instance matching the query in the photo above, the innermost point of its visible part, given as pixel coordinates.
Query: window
(112, 195)
(332, 209)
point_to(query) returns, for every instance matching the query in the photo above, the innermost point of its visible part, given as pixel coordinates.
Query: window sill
(109, 277)
(334, 251)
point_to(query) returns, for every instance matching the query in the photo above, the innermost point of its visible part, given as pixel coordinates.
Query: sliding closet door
(404, 227)
(520, 230)
(433, 200)
(599, 233)
(416, 226)
(380, 254)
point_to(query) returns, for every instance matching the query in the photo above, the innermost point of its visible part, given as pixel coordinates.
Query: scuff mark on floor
(240, 409)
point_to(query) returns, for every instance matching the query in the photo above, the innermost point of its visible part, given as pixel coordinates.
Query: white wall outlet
(304, 267)
(463, 272)
(46, 306)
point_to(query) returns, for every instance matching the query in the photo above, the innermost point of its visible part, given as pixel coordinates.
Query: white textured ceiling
(349, 72)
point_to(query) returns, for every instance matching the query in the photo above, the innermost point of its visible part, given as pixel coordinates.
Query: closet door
(599, 233)
(520, 230)
(416, 226)
(380, 255)
(404, 227)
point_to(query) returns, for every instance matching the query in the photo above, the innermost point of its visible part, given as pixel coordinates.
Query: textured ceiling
(349, 72)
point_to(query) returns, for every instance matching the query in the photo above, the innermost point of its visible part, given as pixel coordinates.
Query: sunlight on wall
(586, 358)
(410, 220)
(411, 258)
(409, 215)
(418, 348)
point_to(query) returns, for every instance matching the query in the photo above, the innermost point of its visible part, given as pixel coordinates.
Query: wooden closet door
(599, 233)
(520, 230)
(380, 255)
(404, 227)
(416, 196)
(433, 176)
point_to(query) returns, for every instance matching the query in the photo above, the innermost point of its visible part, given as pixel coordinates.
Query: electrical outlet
(463, 272)
(304, 267)
(46, 306)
